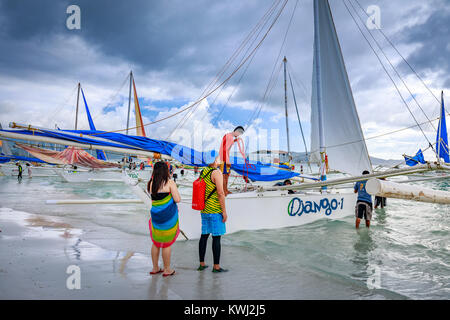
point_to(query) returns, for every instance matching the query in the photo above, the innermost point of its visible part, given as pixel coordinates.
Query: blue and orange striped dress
(163, 223)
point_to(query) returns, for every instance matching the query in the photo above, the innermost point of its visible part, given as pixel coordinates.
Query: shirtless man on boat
(224, 153)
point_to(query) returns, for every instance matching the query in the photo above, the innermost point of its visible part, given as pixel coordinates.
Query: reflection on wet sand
(158, 293)
(37, 221)
(42, 222)
(76, 249)
(124, 261)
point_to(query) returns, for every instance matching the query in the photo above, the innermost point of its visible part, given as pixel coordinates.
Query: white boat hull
(271, 210)
(12, 170)
(262, 210)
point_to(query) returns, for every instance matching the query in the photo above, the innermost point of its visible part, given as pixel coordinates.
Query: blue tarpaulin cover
(255, 171)
(100, 153)
(418, 158)
(442, 137)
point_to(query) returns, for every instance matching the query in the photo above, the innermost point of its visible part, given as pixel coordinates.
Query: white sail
(335, 123)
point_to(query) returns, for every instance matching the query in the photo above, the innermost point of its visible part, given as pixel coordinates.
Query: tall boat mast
(317, 72)
(129, 100)
(286, 110)
(76, 112)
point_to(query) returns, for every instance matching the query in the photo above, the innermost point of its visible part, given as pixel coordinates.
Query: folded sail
(70, 155)
(100, 153)
(418, 158)
(442, 137)
(140, 130)
(342, 136)
(255, 171)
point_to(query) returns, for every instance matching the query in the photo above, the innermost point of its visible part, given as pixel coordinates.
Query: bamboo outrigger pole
(389, 189)
(384, 174)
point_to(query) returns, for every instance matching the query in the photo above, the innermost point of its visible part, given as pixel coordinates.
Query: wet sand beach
(407, 243)
(35, 257)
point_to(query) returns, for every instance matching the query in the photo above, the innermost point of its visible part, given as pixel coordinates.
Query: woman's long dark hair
(159, 178)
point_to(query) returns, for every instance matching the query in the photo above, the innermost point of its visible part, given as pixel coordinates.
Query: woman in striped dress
(214, 216)
(163, 223)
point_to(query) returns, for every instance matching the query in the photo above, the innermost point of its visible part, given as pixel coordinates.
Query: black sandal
(201, 268)
(169, 274)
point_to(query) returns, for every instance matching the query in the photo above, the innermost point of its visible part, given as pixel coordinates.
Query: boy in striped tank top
(214, 216)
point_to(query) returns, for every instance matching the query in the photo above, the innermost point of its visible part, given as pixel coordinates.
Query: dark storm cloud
(188, 41)
(176, 47)
(184, 40)
(23, 20)
(187, 36)
(434, 38)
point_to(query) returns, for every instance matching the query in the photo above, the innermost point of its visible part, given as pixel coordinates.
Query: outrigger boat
(110, 175)
(9, 168)
(333, 108)
(8, 162)
(76, 165)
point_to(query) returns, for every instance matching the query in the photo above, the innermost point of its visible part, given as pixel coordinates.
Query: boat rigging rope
(298, 114)
(219, 114)
(255, 114)
(393, 67)
(387, 73)
(113, 96)
(299, 83)
(377, 136)
(213, 90)
(240, 78)
(229, 98)
(394, 166)
(260, 25)
(268, 91)
(395, 48)
(64, 103)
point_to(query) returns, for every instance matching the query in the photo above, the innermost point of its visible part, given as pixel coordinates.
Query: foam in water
(408, 242)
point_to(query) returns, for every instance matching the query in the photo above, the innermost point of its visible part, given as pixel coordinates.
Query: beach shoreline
(38, 250)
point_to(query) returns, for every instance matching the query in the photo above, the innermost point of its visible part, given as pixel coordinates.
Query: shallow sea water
(405, 253)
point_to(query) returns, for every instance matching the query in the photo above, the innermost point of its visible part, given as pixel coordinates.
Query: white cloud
(48, 98)
(276, 117)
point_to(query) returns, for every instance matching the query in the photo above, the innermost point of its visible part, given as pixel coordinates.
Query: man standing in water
(19, 167)
(224, 153)
(363, 207)
(380, 201)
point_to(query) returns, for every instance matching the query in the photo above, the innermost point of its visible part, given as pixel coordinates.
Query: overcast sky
(175, 48)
